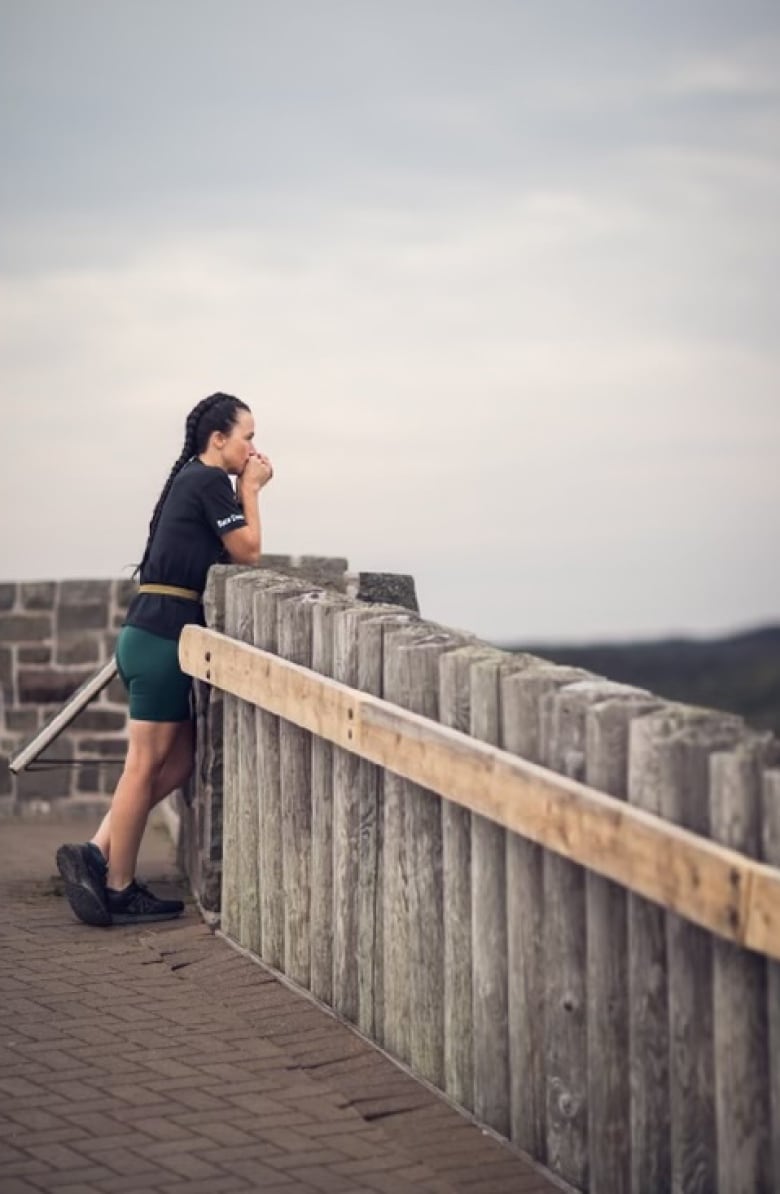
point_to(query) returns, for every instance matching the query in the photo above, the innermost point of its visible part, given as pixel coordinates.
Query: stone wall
(54, 635)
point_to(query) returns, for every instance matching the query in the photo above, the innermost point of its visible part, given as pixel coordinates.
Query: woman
(198, 520)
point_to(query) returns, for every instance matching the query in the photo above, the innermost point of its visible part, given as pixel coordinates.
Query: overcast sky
(499, 281)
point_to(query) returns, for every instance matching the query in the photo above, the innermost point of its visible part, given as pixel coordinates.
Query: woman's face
(237, 447)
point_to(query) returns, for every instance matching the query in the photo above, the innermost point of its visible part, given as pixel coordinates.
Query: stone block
(109, 777)
(322, 566)
(97, 720)
(85, 592)
(6, 669)
(106, 748)
(7, 596)
(116, 692)
(88, 616)
(40, 654)
(21, 721)
(78, 650)
(39, 594)
(49, 783)
(276, 563)
(124, 591)
(44, 785)
(391, 588)
(24, 628)
(48, 685)
(88, 778)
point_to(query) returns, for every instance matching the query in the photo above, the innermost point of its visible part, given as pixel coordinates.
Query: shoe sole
(85, 901)
(127, 918)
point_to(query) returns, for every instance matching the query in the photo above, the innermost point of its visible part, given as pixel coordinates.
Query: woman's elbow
(244, 549)
(245, 555)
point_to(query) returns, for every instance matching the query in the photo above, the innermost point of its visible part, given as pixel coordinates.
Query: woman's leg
(174, 771)
(150, 744)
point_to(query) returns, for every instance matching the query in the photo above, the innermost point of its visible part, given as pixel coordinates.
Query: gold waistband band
(170, 591)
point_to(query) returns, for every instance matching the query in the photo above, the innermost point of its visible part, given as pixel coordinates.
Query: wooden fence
(553, 896)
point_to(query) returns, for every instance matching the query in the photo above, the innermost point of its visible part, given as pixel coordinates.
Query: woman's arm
(245, 545)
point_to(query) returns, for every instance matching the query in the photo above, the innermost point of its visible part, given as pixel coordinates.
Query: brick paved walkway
(162, 1060)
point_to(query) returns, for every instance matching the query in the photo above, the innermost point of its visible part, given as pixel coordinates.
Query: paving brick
(59, 1156)
(189, 1166)
(209, 1075)
(225, 1134)
(226, 1184)
(320, 1179)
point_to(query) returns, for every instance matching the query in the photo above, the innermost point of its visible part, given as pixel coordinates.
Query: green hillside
(740, 674)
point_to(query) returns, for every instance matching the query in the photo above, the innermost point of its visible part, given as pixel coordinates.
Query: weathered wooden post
(294, 624)
(242, 588)
(371, 633)
(607, 727)
(670, 965)
(455, 711)
(685, 799)
(346, 826)
(651, 1162)
(268, 776)
(742, 1092)
(565, 936)
(413, 918)
(770, 842)
(490, 986)
(323, 612)
(521, 721)
(210, 753)
(232, 812)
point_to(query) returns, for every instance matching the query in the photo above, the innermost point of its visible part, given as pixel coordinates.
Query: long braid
(215, 413)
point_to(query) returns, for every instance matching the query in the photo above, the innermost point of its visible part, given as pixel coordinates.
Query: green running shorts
(149, 667)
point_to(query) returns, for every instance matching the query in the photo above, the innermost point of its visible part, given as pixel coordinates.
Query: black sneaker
(83, 869)
(136, 904)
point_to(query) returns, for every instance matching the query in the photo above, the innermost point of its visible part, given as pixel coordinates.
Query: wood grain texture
(395, 893)
(242, 588)
(521, 734)
(689, 739)
(651, 1153)
(347, 799)
(294, 628)
(607, 726)
(423, 652)
(770, 843)
(322, 812)
(230, 903)
(455, 711)
(564, 711)
(742, 1091)
(717, 888)
(489, 925)
(272, 913)
(371, 650)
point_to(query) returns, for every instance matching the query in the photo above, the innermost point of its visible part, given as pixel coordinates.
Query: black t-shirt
(201, 506)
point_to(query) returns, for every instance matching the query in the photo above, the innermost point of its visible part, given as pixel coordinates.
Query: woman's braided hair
(218, 412)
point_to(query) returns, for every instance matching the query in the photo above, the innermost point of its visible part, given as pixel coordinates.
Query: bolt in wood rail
(720, 889)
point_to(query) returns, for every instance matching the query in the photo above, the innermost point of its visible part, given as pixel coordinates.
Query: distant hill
(739, 674)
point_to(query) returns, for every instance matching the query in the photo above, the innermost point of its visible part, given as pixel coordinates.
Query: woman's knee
(143, 767)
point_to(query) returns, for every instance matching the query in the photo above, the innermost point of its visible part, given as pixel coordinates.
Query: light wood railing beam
(718, 888)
